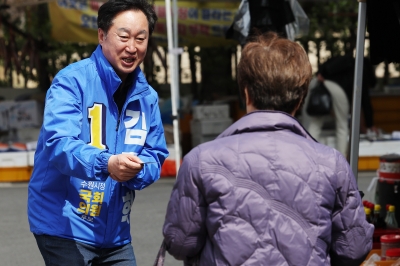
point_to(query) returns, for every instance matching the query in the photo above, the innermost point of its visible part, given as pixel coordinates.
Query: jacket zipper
(119, 118)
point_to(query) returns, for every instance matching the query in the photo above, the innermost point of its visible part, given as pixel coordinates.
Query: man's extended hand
(123, 167)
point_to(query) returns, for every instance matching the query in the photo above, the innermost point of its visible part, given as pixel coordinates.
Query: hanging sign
(199, 23)
(74, 21)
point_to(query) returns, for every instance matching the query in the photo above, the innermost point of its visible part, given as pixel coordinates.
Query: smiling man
(101, 125)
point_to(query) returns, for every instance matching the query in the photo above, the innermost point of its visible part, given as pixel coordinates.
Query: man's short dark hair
(110, 9)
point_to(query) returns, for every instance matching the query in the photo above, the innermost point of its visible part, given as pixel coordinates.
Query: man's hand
(123, 167)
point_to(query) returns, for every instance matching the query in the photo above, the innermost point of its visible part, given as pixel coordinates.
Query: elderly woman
(265, 192)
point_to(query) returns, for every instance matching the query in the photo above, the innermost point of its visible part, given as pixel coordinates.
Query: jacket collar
(266, 121)
(110, 77)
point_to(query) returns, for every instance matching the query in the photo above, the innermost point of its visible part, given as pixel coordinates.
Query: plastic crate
(31, 156)
(199, 139)
(220, 111)
(168, 169)
(15, 174)
(13, 159)
(368, 163)
(209, 127)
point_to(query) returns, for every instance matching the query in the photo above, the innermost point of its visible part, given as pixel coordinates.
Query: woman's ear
(246, 96)
(249, 102)
(297, 108)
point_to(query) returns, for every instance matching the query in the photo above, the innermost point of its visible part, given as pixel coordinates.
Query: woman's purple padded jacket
(265, 193)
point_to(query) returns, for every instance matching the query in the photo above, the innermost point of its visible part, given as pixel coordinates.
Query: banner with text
(199, 23)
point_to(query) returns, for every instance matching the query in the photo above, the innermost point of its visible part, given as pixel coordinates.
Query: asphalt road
(18, 246)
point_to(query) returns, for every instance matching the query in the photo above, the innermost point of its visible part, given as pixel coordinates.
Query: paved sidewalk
(18, 246)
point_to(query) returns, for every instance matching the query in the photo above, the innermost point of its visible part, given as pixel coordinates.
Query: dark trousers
(58, 251)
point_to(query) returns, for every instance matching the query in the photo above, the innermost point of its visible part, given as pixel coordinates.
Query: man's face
(125, 44)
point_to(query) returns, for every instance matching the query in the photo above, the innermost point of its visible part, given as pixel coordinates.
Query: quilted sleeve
(184, 227)
(351, 233)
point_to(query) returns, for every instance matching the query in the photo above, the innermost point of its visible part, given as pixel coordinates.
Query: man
(265, 192)
(340, 70)
(101, 122)
(337, 74)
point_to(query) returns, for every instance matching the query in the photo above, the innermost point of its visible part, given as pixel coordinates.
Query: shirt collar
(266, 121)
